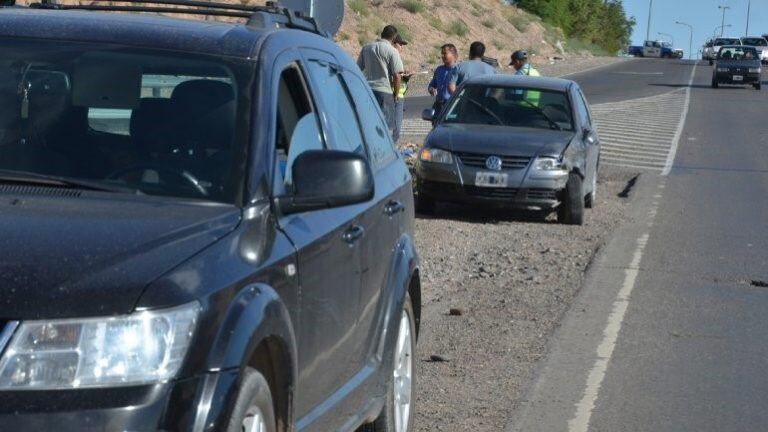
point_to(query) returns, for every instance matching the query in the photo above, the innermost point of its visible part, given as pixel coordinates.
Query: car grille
(542, 194)
(477, 160)
(483, 192)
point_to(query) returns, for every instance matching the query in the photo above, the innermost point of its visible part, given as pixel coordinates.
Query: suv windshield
(754, 41)
(737, 53)
(159, 123)
(511, 106)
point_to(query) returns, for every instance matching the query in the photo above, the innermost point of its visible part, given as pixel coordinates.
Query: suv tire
(253, 404)
(425, 205)
(571, 209)
(401, 379)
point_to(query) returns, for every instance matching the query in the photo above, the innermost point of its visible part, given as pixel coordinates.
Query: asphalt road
(625, 80)
(670, 332)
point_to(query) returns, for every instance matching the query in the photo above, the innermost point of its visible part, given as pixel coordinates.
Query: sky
(703, 15)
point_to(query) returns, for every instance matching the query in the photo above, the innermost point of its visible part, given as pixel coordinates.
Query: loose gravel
(495, 285)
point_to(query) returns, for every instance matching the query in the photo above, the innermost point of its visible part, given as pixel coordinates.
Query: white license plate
(738, 78)
(489, 179)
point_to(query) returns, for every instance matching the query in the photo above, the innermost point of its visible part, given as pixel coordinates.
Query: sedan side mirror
(325, 179)
(428, 115)
(586, 135)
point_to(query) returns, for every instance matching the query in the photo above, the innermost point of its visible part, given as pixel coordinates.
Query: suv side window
(380, 146)
(338, 107)
(297, 125)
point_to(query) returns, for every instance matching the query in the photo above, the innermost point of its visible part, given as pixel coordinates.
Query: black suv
(205, 226)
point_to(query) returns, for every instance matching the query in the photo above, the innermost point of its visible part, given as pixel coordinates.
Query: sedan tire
(425, 205)
(571, 209)
(397, 415)
(715, 84)
(254, 410)
(758, 86)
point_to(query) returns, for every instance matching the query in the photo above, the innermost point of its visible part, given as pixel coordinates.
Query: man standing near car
(473, 67)
(438, 87)
(400, 44)
(521, 65)
(382, 66)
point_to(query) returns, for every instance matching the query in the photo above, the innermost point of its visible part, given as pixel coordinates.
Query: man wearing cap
(400, 44)
(521, 65)
(382, 65)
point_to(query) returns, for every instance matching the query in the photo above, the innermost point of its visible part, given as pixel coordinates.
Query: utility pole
(749, 9)
(690, 41)
(714, 33)
(648, 30)
(722, 24)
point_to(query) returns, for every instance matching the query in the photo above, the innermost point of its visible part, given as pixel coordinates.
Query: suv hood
(499, 140)
(94, 256)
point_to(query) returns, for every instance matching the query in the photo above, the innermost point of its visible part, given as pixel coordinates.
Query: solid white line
(640, 152)
(638, 73)
(632, 145)
(680, 126)
(580, 422)
(590, 69)
(628, 165)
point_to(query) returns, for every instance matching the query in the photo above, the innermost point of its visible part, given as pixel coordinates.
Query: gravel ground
(495, 286)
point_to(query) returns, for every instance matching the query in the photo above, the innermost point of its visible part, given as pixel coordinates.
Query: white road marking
(580, 422)
(681, 125)
(638, 73)
(639, 133)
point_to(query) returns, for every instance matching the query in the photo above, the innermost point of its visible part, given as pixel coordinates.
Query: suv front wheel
(398, 410)
(254, 410)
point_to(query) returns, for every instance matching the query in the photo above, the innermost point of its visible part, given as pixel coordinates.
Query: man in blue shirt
(438, 87)
(473, 67)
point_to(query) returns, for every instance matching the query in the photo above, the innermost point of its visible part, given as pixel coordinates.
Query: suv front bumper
(174, 406)
(455, 183)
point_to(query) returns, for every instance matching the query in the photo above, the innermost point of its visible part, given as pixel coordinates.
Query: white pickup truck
(717, 44)
(760, 44)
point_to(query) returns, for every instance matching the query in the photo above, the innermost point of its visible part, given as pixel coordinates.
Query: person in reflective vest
(521, 65)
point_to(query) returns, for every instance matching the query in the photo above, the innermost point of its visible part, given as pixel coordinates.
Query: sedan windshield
(512, 106)
(737, 53)
(121, 119)
(754, 41)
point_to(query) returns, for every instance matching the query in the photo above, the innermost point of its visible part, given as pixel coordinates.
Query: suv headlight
(436, 156)
(547, 164)
(140, 348)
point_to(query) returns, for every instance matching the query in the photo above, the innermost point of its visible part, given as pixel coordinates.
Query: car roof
(142, 30)
(506, 80)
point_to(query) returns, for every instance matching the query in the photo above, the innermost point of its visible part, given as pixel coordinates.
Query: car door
(383, 218)
(591, 139)
(328, 253)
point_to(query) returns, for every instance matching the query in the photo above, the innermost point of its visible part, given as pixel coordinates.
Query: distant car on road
(512, 142)
(657, 49)
(760, 44)
(739, 65)
(706, 50)
(719, 43)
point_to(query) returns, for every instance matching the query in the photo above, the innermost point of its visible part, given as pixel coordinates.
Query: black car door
(327, 243)
(383, 218)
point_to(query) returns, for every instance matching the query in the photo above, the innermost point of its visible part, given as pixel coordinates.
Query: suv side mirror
(428, 115)
(325, 179)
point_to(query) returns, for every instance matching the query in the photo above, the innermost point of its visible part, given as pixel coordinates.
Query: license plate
(489, 179)
(738, 78)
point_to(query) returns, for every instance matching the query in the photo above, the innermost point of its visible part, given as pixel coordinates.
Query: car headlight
(436, 155)
(755, 70)
(723, 69)
(547, 164)
(140, 348)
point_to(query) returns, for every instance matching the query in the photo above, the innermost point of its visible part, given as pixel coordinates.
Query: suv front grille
(477, 160)
(484, 192)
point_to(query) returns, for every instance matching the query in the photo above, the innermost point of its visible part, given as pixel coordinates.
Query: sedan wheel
(571, 209)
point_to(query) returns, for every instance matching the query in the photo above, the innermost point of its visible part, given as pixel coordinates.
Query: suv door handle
(393, 207)
(353, 234)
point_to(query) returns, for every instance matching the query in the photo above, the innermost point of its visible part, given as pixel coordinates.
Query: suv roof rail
(272, 14)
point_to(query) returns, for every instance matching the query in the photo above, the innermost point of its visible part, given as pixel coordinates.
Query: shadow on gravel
(487, 215)
(628, 189)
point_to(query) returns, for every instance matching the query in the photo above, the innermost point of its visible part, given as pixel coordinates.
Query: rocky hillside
(427, 24)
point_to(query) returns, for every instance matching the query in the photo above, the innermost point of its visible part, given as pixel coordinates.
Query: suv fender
(256, 323)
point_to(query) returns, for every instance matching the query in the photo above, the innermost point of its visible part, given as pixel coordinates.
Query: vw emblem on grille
(493, 163)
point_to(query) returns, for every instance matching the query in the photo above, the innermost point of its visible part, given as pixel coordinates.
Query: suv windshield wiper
(26, 177)
(543, 114)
